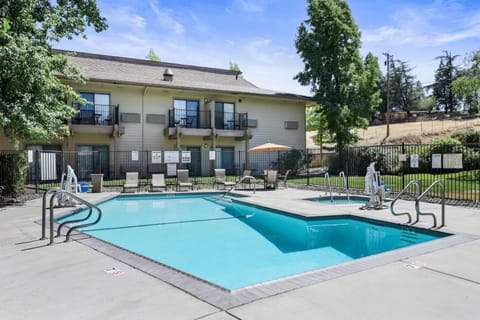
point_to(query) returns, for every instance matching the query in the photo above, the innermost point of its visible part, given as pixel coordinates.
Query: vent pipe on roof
(168, 75)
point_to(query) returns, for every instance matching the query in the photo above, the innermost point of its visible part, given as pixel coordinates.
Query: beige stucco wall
(270, 114)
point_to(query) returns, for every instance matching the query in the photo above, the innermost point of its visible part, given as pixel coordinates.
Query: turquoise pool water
(235, 245)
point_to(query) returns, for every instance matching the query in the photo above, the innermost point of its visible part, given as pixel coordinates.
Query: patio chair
(183, 180)
(220, 179)
(271, 179)
(247, 173)
(158, 182)
(285, 177)
(131, 182)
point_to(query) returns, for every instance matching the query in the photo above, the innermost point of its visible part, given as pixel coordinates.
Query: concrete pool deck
(70, 280)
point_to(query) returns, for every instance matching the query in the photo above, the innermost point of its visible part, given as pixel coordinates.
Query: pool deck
(69, 280)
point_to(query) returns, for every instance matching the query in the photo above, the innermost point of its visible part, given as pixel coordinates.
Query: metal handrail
(327, 179)
(345, 185)
(240, 181)
(57, 191)
(417, 204)
(44, 211)
(417, 192)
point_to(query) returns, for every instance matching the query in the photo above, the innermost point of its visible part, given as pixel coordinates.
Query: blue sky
(259, 35)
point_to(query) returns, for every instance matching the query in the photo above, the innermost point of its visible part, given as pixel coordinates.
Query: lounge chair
(271, 179)
(220, 179)
(158, 182)
(183, 180)
(131, 182)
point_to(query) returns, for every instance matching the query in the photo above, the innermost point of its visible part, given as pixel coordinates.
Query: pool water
(234, 245)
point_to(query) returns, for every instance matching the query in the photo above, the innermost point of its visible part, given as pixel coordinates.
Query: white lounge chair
(220, 179)
(131, 182)
(183, 180)
(158, 182)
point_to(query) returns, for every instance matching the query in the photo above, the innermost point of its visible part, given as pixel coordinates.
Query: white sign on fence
(211, 155)
(134, 155)
(414, 161)
(452, 161)
(156, 156)
(186, 156)
(436, 161)
(171, 157)
(30, 156)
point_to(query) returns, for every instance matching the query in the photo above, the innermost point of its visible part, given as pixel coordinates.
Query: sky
(259, 35)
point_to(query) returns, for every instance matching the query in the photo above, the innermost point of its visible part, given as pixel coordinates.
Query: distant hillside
(411, 132)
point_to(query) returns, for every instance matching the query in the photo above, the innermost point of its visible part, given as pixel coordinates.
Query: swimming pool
(234, 245)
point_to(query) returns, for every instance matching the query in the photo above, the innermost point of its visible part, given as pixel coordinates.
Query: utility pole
(387, 114)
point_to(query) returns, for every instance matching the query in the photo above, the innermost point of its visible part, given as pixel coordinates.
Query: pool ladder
(57, 193)
(240, 181)
(343, 178)
(419, 197)
(329, 185)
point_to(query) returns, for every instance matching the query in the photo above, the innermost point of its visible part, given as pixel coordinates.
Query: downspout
(143, 117)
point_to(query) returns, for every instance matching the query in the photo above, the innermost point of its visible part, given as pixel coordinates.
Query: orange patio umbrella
(266, 147)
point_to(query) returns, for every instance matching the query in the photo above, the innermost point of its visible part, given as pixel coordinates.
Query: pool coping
(225, 299)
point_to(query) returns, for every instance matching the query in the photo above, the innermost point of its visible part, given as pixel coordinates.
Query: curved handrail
(417, 204)
(240, 181)
(417, 192)
(77, 198)
(327, 179)
(44, 210)
(342, 176)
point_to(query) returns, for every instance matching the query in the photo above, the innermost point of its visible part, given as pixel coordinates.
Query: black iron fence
(457, 166)
(95, 114)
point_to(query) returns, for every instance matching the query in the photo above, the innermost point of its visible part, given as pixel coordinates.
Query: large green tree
(33, 102)
(467, 85)
(328, 43)
(445, 75)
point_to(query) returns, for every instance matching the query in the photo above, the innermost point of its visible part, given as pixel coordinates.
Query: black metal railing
(189, 119)
(457, 166)
(231, 121)
(96, 114)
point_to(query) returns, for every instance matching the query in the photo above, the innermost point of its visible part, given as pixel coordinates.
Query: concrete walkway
(70, 280)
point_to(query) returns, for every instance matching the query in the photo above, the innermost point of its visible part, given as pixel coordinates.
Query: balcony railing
(95, 114)
(189, 119)
(231, 121)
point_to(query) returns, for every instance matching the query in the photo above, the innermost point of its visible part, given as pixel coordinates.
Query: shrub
(290, 160)
(13, 171)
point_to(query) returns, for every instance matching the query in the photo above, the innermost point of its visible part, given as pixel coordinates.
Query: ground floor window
(92, 159)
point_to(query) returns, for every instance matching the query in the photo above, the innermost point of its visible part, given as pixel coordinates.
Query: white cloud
(166, 19)
(249, 6)
(258, 50)
(441, 23)
(126, 17)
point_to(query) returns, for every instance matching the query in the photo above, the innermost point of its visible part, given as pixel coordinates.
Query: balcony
(97, 118)
(96, 114)
(189, 122)
(231, 124)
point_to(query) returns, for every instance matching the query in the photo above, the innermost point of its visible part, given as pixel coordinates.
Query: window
(97, 106)
(224, 115)
(186, 113)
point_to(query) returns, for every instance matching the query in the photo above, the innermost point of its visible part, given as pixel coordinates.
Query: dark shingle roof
(115, 69)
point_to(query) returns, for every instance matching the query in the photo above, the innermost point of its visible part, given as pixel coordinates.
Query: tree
(33, 101)
(467, 85)
(152, 56)
(234, 66)
(445, 75)
(405, 92)
(328, 43)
